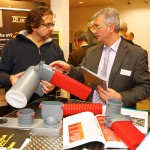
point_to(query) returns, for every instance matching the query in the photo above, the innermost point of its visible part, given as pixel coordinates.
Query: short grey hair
(111, 15)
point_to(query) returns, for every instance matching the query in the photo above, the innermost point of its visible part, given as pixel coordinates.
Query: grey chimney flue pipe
(22, 90)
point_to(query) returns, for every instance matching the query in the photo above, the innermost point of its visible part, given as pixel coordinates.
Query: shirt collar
(83, 45)
(25, 33)
(115, 46)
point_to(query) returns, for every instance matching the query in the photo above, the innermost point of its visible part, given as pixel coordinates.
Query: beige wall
(61, 9)
(136, 15)
(1, 20)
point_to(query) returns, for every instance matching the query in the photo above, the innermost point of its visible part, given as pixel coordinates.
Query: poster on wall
(11, 22)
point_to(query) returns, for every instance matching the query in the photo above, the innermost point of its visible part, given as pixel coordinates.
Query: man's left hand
(47, 87)
(110, 93)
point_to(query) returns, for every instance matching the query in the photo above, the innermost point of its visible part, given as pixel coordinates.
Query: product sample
(71, 109)
(122, 124)
(22, 90)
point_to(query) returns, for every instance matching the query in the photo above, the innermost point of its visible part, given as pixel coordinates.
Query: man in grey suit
(127, 75)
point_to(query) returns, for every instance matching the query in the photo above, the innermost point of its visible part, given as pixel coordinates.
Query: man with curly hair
(29, 48)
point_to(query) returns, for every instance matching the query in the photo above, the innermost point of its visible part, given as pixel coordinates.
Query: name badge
(125, 72)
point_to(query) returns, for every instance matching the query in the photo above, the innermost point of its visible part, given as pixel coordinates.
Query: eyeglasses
(48, 25)
(95, 26)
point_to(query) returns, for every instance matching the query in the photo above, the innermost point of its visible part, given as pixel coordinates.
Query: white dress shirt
(112, 55)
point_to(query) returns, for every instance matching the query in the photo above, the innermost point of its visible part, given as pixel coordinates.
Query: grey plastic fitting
(113, 112)
(113, 106)
(22, 90)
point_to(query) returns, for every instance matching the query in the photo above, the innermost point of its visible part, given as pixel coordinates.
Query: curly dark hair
(34, 17)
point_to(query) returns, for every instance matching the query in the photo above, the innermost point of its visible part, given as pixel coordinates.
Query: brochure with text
(85, 127)
(12, 138)
(92, 79)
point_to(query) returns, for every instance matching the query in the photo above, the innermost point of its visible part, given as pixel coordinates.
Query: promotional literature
(12, 138)
(92, 79)
(85, 127)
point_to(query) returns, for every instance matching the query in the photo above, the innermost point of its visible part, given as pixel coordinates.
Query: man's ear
(33, 27)
(112, 27)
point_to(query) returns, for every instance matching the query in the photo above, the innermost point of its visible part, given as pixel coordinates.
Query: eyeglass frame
(95, 26)
(48, 25)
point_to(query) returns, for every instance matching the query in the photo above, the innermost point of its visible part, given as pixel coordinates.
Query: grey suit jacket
(132, 88)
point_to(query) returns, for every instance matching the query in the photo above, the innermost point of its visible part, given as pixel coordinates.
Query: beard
(47, 36)
(44, 36)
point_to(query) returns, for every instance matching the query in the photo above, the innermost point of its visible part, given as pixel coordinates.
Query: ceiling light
(81, 2)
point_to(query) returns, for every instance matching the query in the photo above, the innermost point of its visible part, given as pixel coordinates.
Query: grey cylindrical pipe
(29, 83)
(113, 106)
(22, 90)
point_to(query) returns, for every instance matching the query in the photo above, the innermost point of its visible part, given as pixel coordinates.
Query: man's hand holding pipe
(60, 66)
(14, 78)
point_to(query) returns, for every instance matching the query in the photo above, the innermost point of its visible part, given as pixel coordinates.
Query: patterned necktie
(96, 98)
(106, 59)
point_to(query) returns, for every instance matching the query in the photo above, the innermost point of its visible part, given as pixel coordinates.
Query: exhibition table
(39, 142)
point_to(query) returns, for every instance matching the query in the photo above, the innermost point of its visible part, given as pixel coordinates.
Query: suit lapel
(121, 53)
(97, 56)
